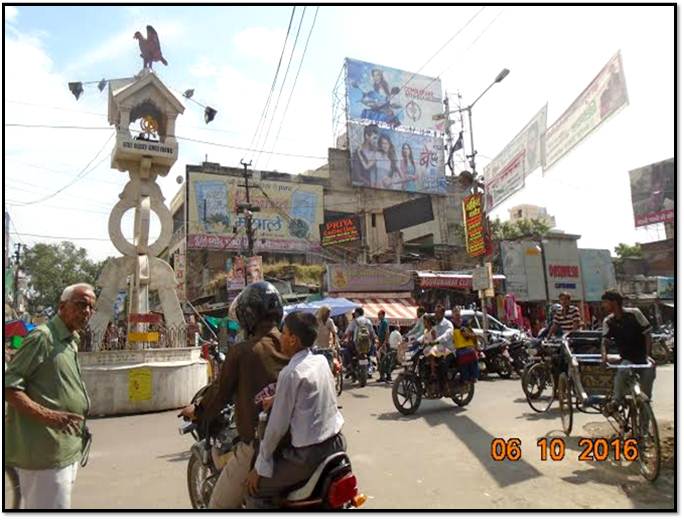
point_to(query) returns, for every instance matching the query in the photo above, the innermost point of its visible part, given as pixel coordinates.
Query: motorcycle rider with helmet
(250, 366)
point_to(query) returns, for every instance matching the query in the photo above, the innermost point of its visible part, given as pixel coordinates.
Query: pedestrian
(383, 337)
(45, 430)
(390, 355)
(326, 337)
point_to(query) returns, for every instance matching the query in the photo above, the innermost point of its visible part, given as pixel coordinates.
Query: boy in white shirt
(305, 404)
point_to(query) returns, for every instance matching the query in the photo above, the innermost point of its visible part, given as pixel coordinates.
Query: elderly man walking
(45, 427)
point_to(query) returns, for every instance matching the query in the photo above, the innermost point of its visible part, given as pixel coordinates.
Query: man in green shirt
(48, 403)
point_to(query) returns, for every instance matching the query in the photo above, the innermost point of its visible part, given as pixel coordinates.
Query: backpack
(363, 337)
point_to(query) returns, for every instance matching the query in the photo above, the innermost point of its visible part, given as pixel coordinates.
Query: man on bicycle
(630, 331)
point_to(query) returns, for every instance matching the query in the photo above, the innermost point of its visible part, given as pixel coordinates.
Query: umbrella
(337, 306)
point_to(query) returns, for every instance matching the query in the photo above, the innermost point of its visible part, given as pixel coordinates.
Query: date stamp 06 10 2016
(592, 449)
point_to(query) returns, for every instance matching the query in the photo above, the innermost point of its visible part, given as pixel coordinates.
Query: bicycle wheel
(12, 495)
(565, 402)
(645, 430)
(539, 387)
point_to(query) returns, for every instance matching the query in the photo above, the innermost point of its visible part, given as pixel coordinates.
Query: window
(372, 219)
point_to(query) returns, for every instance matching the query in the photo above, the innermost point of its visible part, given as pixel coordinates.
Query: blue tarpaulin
(337, 306)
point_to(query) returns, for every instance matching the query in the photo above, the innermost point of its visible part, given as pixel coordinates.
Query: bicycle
(539, 378)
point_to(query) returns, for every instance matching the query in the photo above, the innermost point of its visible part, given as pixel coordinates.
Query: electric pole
(17, 260)
(247, 209)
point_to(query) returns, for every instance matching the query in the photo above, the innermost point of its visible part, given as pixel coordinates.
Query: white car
(497, 329)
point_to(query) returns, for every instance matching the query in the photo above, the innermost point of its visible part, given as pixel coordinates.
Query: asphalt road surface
(438, 458)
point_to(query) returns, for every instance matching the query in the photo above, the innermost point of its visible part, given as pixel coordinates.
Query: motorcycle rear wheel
(362, 376)
(503, 367)
(406, 394)
(200, 483)
(464, 394)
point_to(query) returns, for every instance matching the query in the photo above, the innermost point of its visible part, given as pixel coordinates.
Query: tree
(515, 230)
(52, 267)
(626, 251)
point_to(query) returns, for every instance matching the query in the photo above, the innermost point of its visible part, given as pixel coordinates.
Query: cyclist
(630, 331)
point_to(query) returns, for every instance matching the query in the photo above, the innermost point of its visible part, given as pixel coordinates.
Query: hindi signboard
(653, 194)
(392, 97)
(473, 217)
(349, 278)
(506, 173)
(340, 231)
(604, 95)
(563, 270)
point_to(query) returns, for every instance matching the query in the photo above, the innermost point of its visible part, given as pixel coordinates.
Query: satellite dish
(179, 179)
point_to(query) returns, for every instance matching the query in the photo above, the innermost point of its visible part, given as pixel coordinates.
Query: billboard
(563, 269)
(369, 278)
(524, 270)
(473, 217)
(288, 220)
(340, 231)
(392, 97)
(407, 214)
(653, 194)
(665, 287)
(506, 173)
(390, 160)
(598, 273)
(604, 95)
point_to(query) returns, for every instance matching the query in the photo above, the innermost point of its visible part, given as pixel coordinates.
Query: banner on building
(524, 270)
(506, 173)
(255, 271)
(653, 193)
(665, 287)
(563, 269)
(369, 278)
(473, 217)
(598, 273)
(604, 95)
(340, 231)
(392, 97)
(390, 160)
(236, 276)
(288, 221)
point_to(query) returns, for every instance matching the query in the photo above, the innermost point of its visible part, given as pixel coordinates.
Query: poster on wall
(340, 231)
(653, 193)
(563, 269)
(235, 280)
(473, 217)
(602, 98)
(506, 173)
(598, 273)
(392, 97)
(524, 270)
(390, 160)
(255, 272)
(288, 221)
(665, 287)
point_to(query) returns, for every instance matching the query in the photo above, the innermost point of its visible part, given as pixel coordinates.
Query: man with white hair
(45, 432)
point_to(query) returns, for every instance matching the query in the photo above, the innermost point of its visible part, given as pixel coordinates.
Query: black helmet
(258, 302)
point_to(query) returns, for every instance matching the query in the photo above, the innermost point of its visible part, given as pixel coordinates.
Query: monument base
(137, 381)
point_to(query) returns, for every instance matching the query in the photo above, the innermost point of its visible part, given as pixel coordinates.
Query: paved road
(438, 458)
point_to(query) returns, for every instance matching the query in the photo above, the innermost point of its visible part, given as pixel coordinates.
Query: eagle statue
(150, 50)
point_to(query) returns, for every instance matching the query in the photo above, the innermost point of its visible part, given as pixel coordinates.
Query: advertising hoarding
(598, 273)
(369, 278)
(390, 160)
(392, 97)
(340, 231)
(407, 214)
(506, 173)
(288, 220)
(524, 270)
(563, 269)
(473, 217)
(653, 193)
(604, 95)
(665, 287)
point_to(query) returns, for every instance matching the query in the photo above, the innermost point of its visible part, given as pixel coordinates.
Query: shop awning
(429, 280)
(398, 311)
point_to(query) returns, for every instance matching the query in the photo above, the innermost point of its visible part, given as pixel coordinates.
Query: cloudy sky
(58, 182)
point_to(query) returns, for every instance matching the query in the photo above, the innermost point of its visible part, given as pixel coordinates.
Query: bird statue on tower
(150, 50)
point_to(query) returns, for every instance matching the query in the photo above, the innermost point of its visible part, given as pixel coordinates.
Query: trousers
(646, 378)
(47, 488)
(229, 490)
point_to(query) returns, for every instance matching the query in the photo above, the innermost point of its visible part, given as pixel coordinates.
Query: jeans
(620, 384)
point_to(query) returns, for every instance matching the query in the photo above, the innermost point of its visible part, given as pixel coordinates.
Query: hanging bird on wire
(150, 50)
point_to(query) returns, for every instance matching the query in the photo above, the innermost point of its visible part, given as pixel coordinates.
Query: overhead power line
(242, 148)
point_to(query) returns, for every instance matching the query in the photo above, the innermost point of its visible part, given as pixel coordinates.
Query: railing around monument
(169, 337)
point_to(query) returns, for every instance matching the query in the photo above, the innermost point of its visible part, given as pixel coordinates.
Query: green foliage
(52, 267)
(626, 251)
(308, 274)
(523, 228)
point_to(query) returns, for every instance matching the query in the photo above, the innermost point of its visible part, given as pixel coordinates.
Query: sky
(228, 55)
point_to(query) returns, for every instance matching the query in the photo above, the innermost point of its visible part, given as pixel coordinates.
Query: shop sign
(339, 231)
(563, 271)
(473, 217)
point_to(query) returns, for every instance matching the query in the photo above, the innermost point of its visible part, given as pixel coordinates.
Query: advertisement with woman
(392, 160)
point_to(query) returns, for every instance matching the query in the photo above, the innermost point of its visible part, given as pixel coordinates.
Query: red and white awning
(398, 311)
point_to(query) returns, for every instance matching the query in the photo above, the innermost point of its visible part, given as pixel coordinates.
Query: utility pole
(17, 263)
(248, 209)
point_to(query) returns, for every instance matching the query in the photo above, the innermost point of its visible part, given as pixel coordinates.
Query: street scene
(268, 258)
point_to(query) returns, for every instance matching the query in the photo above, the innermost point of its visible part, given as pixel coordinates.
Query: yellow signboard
(140, 384)
(288, 219)
(143, 337)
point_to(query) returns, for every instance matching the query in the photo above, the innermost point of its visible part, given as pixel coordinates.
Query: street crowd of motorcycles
(504, 356)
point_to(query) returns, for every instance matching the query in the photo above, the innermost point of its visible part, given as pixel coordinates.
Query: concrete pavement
(438, 458)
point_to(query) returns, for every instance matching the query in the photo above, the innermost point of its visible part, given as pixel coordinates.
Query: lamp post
(478, 187)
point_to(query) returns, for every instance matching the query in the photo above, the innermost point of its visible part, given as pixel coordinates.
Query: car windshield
(493, 323)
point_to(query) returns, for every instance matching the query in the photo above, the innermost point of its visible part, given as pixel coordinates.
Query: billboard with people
(391, 160)
(653, 195)
(392, 97)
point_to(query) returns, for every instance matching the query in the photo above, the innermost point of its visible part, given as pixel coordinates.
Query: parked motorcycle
(662, 350)
(520, 358)
(415, 382)
(494, 357)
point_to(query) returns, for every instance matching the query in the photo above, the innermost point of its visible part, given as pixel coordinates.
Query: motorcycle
(415, 382)
(662, 349)
(494, 357)
(519, 355)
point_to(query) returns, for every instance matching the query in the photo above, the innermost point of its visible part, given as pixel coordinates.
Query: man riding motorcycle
(250, 366)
